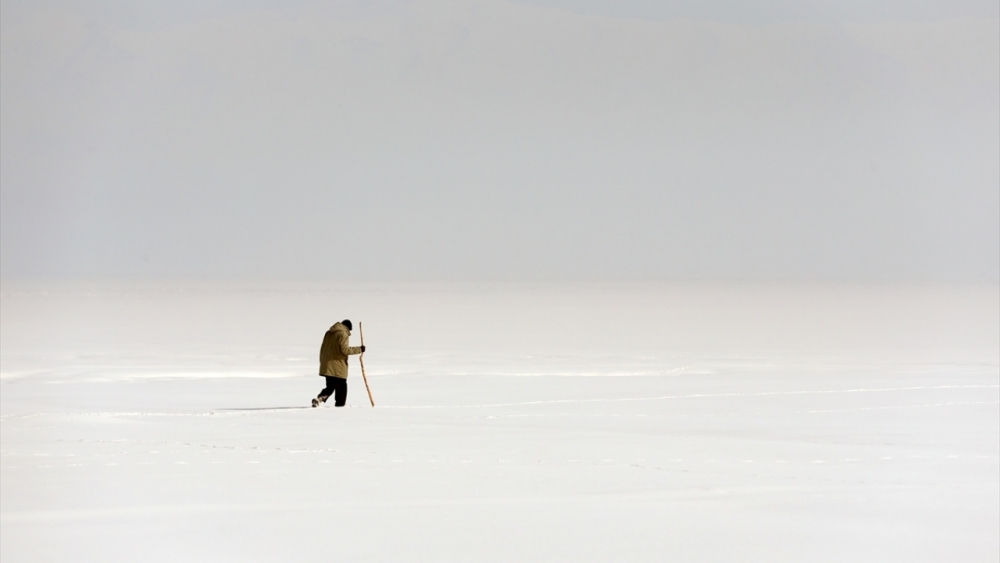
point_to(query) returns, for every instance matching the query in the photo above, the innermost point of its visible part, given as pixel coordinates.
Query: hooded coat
(333, 354)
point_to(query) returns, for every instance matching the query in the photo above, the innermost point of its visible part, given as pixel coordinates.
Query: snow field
(139, 439)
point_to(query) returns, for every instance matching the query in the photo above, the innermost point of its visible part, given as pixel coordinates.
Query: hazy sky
(531, 140)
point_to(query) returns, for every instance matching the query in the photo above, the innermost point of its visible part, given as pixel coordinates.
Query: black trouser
(336, 386)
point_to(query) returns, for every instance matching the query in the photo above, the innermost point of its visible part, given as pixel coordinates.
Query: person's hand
(362, 348)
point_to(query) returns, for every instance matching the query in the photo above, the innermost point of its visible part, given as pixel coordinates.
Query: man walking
(333, 362)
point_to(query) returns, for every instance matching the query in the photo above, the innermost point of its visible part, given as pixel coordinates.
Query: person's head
(347, 323)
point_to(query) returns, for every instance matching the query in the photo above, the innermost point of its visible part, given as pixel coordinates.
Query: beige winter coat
(333, 354)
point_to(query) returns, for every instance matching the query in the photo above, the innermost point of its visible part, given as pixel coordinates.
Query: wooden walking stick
(361, 359)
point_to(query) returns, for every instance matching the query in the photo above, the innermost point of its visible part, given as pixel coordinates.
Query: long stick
(361, 359)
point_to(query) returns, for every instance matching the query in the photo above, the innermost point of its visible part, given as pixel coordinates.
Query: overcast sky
(543, 139)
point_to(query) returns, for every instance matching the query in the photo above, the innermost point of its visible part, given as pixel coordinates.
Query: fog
(633, 276)
(499, 140)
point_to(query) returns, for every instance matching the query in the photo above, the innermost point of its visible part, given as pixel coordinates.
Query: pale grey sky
(494, 140)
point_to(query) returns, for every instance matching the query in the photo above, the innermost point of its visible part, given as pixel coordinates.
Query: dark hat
(347, 323)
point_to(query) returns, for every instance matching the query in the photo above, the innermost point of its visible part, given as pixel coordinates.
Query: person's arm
(345, 347)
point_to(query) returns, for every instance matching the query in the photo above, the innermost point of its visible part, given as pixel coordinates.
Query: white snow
(531, 422)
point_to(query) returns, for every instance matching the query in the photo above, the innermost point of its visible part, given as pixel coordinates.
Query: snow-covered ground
(546, 422)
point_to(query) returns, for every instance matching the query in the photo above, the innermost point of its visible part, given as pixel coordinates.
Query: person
(333, 363)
